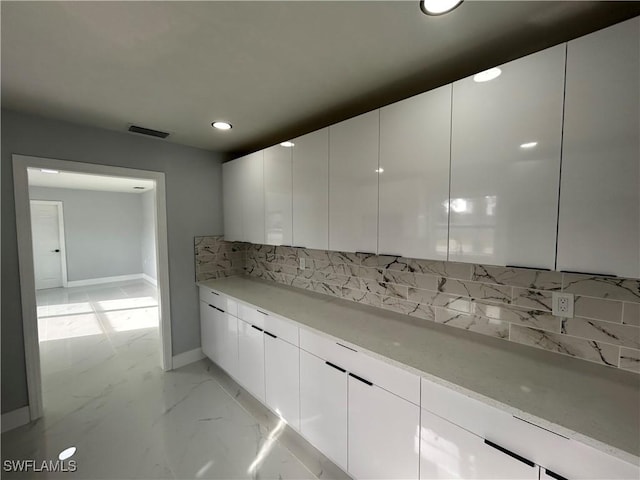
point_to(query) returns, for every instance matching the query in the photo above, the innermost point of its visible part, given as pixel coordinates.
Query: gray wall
(148, 234)
(103, 231)
(194, 207)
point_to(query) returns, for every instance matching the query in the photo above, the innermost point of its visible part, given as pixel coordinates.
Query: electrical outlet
(562, 304)
(302, 263)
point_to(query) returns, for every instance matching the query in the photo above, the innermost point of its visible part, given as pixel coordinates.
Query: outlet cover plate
(562, 304)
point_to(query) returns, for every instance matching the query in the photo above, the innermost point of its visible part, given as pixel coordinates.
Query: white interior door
(48, 251)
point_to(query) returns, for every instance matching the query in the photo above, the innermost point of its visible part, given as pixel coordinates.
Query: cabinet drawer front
(251, 315)
(327, 349)
(219, 300)
(567, 457)
(281, 328)
(389, 377)
(449, 451)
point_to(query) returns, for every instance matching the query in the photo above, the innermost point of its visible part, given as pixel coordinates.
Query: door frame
(63, 248)
(25, 259)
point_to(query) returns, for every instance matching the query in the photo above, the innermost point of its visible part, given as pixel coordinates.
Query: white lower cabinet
(226, 342)
(207, 330)
(383, 433)
(282, 378)
(341, 400)
(448, 451)
(323, 406)
(251, 358)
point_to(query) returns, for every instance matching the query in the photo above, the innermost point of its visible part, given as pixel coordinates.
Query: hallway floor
(106, 394)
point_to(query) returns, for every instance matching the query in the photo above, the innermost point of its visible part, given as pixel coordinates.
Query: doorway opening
(94, 274)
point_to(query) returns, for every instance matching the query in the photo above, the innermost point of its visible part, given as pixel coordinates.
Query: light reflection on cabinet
(277, 195)
(505, 163)
(414, 175)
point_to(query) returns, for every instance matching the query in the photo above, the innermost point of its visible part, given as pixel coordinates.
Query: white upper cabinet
(311, 190)
(277, 195)
(505, 163)
(252, 183)
(232, 200)
(353, 184)
(414, 176)
(599, 229)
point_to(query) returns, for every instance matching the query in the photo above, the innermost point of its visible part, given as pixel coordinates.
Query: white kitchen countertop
(597, 405)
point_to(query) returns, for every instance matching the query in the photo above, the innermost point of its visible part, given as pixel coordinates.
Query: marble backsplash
(216, 258)
(509, 303)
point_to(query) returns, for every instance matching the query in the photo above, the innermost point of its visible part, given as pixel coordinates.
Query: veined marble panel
(483, 291)
(576, 347)
(614, 333)
(473, 323)
(535, 299)
(602, 287)
(631, 314)
(597, 308)
(360, 296)
(518, 277)
(630, 359)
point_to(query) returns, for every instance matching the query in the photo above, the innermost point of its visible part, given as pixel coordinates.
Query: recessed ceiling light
(379, 170)
(487, 75)
(67, 453)
(287, 144)
(221, 125)
(529, 145)
(438, 7)
(48, 170)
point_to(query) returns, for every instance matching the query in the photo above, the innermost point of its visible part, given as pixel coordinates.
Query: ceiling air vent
(148, 131)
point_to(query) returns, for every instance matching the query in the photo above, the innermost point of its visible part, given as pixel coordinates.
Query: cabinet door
(277, 195)
(311, 190)
(505, 163)
(251, 359)
(207, 331)
(448, 451)
(232, 200)
(227, 343)
(353, 184)
(282, 379)
(599, 224)
(383, 433)
(415, 139)
(323, 407)
(252, 183)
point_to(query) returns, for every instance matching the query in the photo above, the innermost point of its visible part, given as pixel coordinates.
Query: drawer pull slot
(348, 348)
(257, 328)
(260, 311)
(361, 379)
(270, 334)
(554, 475)
(510, 453)
(336, 367)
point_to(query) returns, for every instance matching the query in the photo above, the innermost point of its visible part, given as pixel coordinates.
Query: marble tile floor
(106, 394)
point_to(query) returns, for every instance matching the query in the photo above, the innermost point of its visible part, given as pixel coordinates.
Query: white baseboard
(149, 279)
(15, 419)
(97, 281)
(186, 358)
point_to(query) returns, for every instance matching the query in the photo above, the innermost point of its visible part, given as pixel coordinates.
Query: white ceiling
(273, 69)
(83, 181)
